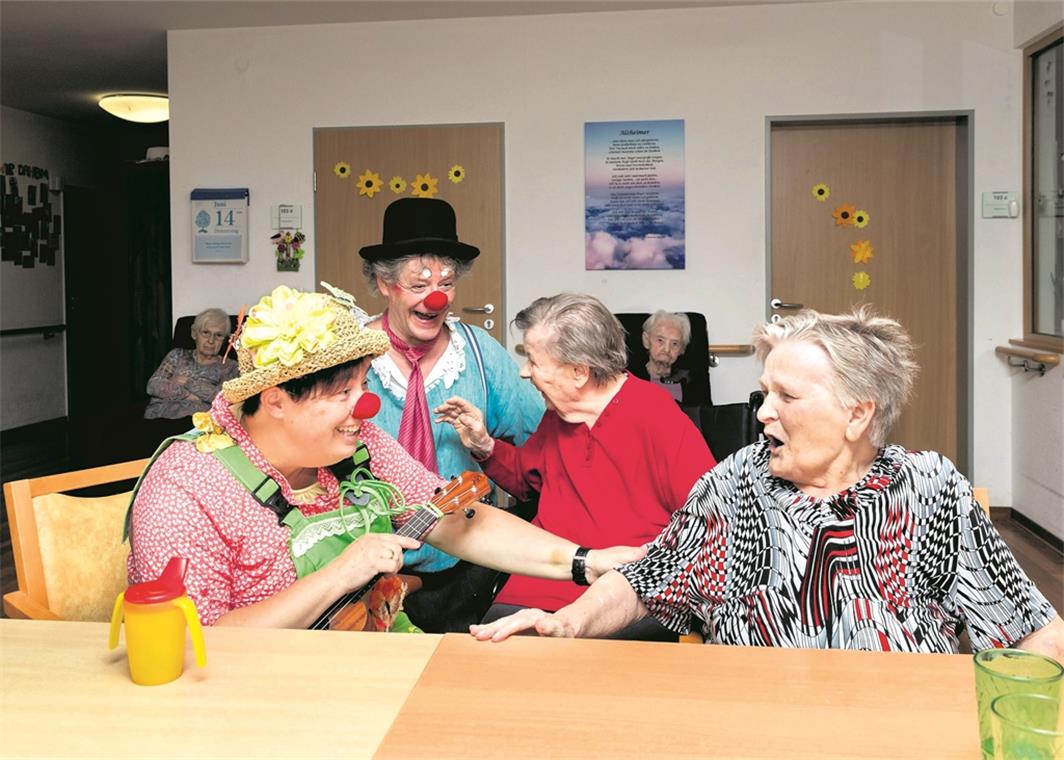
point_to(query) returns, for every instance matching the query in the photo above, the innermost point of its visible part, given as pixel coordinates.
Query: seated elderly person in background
(188, 379)
(822, 535)
(612, 458)
(666, 335)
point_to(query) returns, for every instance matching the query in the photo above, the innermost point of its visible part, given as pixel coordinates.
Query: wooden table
(539, 698)
(264, 693)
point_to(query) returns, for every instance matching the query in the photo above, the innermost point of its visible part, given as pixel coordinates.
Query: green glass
(1009, 671)
(1027, 727)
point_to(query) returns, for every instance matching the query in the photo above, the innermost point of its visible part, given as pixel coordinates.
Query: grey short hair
(678, 318)
(387, 270)
(210, 315)
(873, 358)
(581, 331)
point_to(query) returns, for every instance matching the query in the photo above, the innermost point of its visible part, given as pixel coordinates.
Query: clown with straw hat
(258, 497)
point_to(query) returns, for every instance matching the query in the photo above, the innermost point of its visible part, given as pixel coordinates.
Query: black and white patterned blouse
(899, 561)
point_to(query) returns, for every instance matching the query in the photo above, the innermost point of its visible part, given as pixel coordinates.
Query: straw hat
(289, 334)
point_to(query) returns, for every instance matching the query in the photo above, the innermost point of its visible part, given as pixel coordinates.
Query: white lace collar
(447, 369)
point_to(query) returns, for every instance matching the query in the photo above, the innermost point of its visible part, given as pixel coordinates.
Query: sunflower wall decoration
(860, 219)
(425, 186)
(844, 215)
(862, 251)
(821, 191)
(861, 280)
(369, 183)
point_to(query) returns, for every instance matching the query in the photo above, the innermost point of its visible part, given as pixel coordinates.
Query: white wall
(33, 370)
(1038, 402)
(1033, 18)
(244, 102)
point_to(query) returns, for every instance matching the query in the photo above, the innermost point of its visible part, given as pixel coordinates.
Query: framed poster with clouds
(634, 195)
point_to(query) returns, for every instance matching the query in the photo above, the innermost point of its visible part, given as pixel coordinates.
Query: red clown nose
(368, 404)
(436, 301)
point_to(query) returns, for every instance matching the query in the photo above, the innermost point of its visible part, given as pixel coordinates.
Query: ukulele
(387, 590)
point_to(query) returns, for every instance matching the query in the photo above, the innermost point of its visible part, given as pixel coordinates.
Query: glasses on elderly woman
(209, 335)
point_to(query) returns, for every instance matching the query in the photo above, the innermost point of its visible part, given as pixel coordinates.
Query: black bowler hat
(419, 225)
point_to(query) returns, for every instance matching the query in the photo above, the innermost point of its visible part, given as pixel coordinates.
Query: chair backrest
(695, 359)
(70, 561)
(183, 333)
(729, 427)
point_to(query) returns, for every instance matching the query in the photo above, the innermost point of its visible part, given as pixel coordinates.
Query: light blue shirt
(512, 409)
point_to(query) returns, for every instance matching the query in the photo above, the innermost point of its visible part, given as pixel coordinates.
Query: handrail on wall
(46, 331)
(1031, 361)
(717, 350)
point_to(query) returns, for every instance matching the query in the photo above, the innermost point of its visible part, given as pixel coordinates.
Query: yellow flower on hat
(286, 324)
(213, 438)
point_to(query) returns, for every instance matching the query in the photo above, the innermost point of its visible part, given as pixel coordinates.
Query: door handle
(776, 303)
(487, 308)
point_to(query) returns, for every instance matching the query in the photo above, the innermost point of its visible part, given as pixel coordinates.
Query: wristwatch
(580, 566)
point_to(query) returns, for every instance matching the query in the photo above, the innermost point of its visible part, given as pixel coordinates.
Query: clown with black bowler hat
(433, 356)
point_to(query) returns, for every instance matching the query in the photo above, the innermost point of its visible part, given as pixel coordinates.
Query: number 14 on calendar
(220, 226)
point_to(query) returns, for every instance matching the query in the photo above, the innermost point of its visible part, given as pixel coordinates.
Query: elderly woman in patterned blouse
(188, 379)
(821, 535)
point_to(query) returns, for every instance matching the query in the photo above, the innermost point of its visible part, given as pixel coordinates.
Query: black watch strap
(580, 566)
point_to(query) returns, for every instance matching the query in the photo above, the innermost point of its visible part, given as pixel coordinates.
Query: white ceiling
(57, 57)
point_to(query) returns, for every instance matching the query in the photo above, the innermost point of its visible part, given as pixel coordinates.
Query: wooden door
(345, 220)
(904, 175)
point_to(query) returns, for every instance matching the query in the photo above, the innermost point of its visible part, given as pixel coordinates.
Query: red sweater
(615, 483)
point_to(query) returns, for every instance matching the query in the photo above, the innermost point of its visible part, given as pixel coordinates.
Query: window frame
(1032, 339)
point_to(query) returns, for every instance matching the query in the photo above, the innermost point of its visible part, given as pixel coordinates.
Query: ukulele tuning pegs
(469, 513)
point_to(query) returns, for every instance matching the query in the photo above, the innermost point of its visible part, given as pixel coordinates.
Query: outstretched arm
(497, 539)
(608, 606)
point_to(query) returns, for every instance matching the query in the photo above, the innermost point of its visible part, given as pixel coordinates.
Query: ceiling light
(146, 109)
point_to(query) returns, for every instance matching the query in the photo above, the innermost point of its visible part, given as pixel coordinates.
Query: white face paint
(445, 272)
(426, 273)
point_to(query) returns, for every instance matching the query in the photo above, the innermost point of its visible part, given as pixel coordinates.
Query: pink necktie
(415, 427)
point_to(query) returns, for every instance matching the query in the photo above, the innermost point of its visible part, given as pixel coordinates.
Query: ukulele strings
(416, 527)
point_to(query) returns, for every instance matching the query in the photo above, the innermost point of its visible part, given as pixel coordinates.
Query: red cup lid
(169, 585)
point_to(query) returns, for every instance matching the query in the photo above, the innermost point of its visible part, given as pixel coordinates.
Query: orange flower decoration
(844, 215)
(862, 251)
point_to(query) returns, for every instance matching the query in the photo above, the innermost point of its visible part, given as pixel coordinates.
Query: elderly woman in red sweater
(612, 459)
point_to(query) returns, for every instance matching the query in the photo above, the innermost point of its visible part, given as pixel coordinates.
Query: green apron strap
(189, 436)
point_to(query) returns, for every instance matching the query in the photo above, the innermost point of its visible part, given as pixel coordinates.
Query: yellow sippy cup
(156, 613)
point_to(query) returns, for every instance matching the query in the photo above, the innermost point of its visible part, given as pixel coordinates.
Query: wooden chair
(69, 556)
